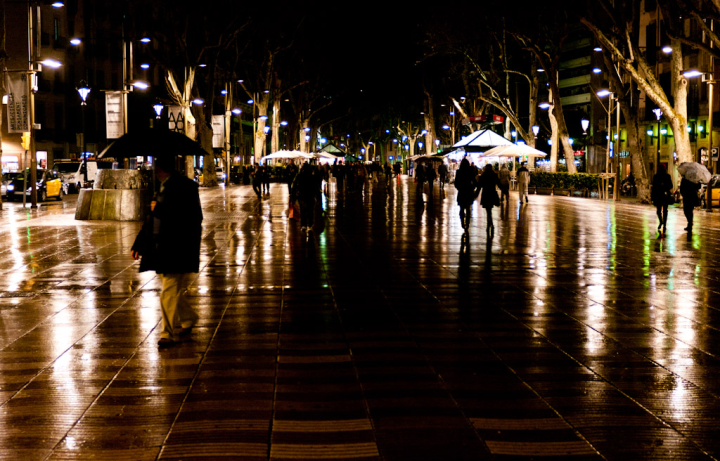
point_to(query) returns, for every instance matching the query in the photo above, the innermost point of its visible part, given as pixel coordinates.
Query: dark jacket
(661, 183)
(689, 191)
(466, 186)
(169, 242)
(487, 183)
(307, 184)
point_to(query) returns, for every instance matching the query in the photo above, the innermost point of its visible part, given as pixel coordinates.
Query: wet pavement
(572, 333)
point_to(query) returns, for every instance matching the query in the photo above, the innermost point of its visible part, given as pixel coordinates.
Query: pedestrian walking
(466, 185)
(443, 174)
(387, 171)
(689, 191)
(291, 172)
(504, 180)
(661, 196)
(306, 189)
(487, 184)
(169, 244)
(257, 180)
(266, 179)
(397, 168)
(430, 175)
(523, 175)
(338, 172)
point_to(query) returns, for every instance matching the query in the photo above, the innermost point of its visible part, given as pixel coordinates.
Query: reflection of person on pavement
(170, 245)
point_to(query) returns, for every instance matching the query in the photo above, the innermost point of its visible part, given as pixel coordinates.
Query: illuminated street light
(535, 130)
(52, 63)
(544, 105)
(585, 123)
(140, 85)
(198, 101)
(144, 66)
(237, 111)
(145, 40)
(604, 92)
(158, 108)
(75, 41)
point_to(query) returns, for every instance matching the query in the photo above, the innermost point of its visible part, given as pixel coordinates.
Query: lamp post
(609, 110)
(535, 130)
(707, 77)
(83, 91)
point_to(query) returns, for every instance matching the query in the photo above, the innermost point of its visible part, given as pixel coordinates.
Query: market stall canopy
(426, 158)
(480, 141)
(514, 150)
(325, 155)
(334, 150)
(287, 154)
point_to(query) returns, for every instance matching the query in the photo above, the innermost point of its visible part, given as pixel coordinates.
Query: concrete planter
(563, 192)
(544, 190)
(118, 195)
(579, 192)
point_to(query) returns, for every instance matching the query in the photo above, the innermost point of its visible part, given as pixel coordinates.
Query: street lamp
(535, 130)
(585, 123)
(83, 91)
(158, 108)
(658, 114)
(601, 94)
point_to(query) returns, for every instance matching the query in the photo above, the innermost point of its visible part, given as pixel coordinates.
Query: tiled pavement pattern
(573, 334)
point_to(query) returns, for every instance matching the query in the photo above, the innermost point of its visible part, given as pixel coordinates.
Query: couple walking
(662, 196)
(469, 186)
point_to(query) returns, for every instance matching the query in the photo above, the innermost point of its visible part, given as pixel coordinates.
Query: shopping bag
(294, 211)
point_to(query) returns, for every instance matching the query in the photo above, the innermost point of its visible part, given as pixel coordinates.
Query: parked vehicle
(72, 172)
(49, 185)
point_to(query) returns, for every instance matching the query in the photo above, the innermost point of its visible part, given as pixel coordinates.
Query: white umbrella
(514, 150)
(694, 172)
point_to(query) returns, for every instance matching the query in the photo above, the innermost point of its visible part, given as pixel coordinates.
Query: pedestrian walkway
(573, 334)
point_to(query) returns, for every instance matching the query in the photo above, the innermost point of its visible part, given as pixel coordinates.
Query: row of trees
(504, 57)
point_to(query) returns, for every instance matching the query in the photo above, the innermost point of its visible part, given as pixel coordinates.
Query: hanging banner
(218, 127)
(18, 102)
(114, 114)
(176, 120)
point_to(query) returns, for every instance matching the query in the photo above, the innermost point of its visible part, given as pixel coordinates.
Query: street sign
(715, 151)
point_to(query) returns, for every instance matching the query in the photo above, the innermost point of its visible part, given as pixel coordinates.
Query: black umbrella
(152, 143)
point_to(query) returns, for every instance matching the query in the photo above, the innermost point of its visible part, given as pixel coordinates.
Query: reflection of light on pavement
(678, 400)
(70, 443)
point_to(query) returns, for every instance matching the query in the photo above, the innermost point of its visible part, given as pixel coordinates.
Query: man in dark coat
(689, 191)
(170, 245)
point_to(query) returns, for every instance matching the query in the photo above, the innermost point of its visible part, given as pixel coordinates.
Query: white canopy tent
(514, 150)
(481, 140)
(287, 154)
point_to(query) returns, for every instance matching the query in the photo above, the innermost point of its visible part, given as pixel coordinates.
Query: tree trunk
(554, 139)
(205, 135)
(275, 133)
(562, 131)
(429, 124)
(636, 145)
(260, 135)
(304, 145)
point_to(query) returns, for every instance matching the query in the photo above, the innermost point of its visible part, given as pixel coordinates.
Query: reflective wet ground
(573, 333)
